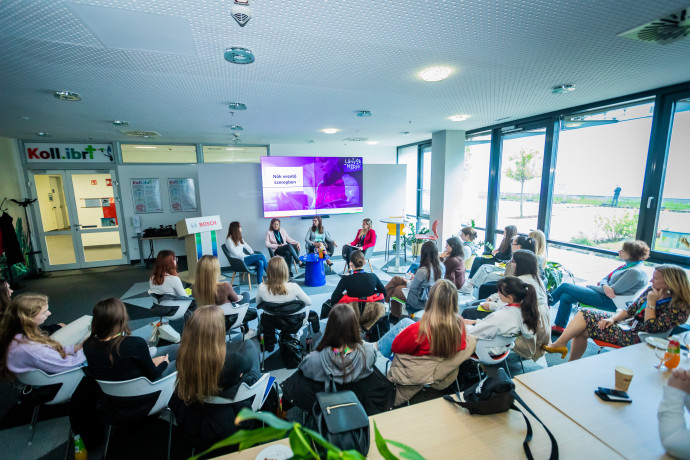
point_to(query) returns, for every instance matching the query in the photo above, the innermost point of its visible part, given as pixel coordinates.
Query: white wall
(371, 154)
(162, 172)
(233, 191)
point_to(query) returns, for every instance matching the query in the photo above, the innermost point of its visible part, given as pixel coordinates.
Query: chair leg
(505, 364)
(370, 267)
(233, 278)
(32, 427)
(522, 364)
(170, 424)
(107, 441)
(69, 443)
(249, 280)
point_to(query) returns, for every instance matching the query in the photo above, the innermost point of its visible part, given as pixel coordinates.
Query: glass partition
(233, 154)
(475, 184)
(148, 153)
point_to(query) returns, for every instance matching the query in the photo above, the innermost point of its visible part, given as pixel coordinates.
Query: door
(79, 219)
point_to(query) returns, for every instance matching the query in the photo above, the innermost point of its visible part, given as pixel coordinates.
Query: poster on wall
(182, 194)
(146, 194)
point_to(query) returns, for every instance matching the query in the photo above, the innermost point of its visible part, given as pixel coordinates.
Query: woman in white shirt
(673, 431)
(276, 288)
(237, 246)
(164, 279)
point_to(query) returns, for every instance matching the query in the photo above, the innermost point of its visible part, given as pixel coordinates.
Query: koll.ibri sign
(74, 153)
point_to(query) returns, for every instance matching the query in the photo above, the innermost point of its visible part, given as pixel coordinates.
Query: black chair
(238, 266)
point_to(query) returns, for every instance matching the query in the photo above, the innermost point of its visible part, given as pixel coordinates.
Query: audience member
(282, 244)
(237, 246)
(453, 260)
(365, 239)
(5, 296)
(277, 288)
(541, 247)
(430, 270)
(23, 347)
(660, 308)
(673, 430)
(625, 280)
(359, 284)
(318, 238)
(502, 254)
(164, 280)
(469, 248)
(207, 367)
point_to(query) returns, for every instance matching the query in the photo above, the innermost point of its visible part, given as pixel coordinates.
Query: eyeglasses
(175, 259)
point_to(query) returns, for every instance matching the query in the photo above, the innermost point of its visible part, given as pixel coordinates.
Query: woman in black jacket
(502, 254)
(359, 284)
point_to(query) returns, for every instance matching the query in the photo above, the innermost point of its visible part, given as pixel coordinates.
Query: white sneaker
(466, 288)
(251, 333)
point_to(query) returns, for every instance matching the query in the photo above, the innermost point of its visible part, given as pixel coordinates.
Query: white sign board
(72, 153)
(203, 224)
(182, 195)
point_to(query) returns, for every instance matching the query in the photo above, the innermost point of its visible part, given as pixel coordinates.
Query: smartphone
(611, 392)
(611, 397)
(624, 327)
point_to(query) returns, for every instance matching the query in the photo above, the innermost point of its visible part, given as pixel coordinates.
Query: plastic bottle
(79, 448)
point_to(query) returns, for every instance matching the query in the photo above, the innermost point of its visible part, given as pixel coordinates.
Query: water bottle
(308, 343)
(79, 448)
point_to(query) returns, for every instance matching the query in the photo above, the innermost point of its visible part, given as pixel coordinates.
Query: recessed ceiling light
(330, 130)
(435, 73)
(42, 134)
(363, 113)
(237, 106)
(236, 127)
(239, 55)
(67, 96)
(562, 89)
(373, 142)
(458, 117)
(309, 141)
(120, 123)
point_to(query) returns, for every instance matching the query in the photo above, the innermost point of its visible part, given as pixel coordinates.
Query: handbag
(290, 350)
(341, 419)
(496, 394)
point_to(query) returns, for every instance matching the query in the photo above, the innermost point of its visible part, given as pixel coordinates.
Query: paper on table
(73, 333)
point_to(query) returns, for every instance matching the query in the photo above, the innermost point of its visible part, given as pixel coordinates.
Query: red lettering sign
(94, 182)
(109, 182)
(207, 224)
(32, 153)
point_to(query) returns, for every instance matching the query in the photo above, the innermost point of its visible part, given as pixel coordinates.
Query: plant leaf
(246, 438)
(382, 446)
(266, 417)
(320, 440)
(406, 451)
(352, 455)
(300, 444)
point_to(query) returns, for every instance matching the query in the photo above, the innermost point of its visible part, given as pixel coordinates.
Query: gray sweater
(624, 282)
(357, 364)
(310, 239)
(422, 281)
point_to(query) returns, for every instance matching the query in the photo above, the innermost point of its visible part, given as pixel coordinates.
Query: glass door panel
(426, 181)
(60, 249)
(673, 224)
(475, 182)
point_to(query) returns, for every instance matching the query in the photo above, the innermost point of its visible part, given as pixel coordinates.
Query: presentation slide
(306, 186)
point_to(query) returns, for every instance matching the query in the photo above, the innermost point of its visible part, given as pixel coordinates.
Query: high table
(438, 429)
(629, 429)
(399, 222)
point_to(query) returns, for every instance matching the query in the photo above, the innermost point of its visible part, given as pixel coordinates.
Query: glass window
(600, 170)
(146, 153)
(475, 180)
(233, 154)
(408, 156)
(426, 181)
(521, 164)
(673, 225)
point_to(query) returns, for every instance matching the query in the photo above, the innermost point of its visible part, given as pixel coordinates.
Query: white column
(447, 171)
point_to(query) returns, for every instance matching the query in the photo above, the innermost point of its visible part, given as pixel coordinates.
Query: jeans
(478, 262)
(385, 343)
(259, 261)
(568, 294)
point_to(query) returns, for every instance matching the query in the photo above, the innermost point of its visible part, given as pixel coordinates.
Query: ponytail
(524, 293)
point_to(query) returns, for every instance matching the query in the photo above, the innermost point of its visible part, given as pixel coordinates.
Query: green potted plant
(555, 272)
(304, 443)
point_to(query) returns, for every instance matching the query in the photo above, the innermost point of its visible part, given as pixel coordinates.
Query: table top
(439, 429)
(395, 220)
(629, 429)
(314, 258)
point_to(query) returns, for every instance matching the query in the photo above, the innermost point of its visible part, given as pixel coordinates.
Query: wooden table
(151, 240)
(438, 429)
(629, 429)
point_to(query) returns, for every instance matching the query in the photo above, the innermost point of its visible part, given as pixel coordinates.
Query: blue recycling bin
(314, 272)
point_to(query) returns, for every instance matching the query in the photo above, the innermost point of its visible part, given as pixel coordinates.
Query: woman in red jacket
(365, 239)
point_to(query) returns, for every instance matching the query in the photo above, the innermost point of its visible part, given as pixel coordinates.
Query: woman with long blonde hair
(277, 288)
(660, 308)
(207, 367)
(541, 247)
(24, 347)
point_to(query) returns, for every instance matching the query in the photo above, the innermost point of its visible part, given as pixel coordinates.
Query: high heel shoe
(562, 350)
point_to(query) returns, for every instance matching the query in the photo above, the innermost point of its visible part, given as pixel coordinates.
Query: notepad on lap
(73, 333)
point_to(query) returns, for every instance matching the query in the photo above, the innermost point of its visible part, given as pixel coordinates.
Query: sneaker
(557, 329)
(466, 288)
(250, 334)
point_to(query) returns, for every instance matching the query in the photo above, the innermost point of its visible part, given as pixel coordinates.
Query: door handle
(649, 202)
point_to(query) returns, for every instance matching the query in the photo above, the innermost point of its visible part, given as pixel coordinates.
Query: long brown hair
(357, 259)
(206, 280)
(234, 233)
(526, 295)
(5, 297)
(164, 265)
(110, 318)
(429, 258)
(441, 325)
(277, 274)
(508, 233)
(318, 228)
(361, 230)
(18, 319)
(342, 330)
(201, 355)
(275, 219)
(677, 281)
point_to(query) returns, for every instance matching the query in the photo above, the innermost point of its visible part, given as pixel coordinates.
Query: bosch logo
(207, 224)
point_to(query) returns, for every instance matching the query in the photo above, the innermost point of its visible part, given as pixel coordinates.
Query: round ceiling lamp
(435, 73)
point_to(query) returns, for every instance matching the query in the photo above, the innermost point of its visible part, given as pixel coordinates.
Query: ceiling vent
(355, 139)
(146, 134)
(662, 31)
(241, 13)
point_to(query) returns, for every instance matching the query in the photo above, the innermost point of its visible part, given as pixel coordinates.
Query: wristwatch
(651, 307)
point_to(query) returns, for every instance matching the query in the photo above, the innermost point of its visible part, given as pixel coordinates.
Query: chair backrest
(256, 392)
(292, 307)
(69, 379)
(485, 349)
(271, 252)
(236, 264)
(434, 228)
(142, 386)
(182, 304)
(469, 262)
(391, 229)
(369, 253)
(239, 310)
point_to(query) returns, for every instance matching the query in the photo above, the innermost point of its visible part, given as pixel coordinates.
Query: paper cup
(623, 377)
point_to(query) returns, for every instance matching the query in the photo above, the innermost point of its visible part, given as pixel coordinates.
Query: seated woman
(660, 308)
(541, 247)
(524, 266)
(208, 291)
(430, 270)
(625, 280)
(164, 280)
(23, 347)
(317, 237)
(208, 367)
(453, 260)
(469, 249)
(277, 288)
(237, 246)
(673, 431)
(429, 350)
(365, 239)
(520, 316)
(502, 254)
(278, 240)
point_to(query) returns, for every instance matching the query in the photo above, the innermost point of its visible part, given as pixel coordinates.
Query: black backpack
(290, 350)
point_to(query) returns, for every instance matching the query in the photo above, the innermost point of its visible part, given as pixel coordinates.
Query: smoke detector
(241, 12)
(237, 106)
(662, 31)
(363, 113)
